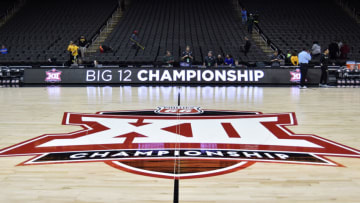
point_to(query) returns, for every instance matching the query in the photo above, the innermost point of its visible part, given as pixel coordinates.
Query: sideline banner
(168, 76)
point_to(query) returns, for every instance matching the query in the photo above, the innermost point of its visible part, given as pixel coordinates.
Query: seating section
(296, 24)
(5, 5)
(43, 28)
(354, 4)
(172, 24)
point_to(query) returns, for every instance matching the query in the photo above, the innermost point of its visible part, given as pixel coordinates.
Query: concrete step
(105, 34)
(259, 42)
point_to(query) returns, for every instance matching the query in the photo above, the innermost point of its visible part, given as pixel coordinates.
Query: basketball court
(328, 115)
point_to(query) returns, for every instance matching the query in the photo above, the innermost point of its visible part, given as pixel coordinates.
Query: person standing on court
(304, 59)
(324, 62)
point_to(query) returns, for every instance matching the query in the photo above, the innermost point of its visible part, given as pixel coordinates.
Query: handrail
(347, 7)
(265, 38)
(10, 11)
(104, 25)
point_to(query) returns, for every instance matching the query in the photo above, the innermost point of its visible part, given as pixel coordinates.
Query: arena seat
(171, 25)
(5, 5)
(43, 29)
(354, 4)
(295, 25)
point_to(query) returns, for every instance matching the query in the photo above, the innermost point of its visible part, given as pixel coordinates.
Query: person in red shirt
(344, 50)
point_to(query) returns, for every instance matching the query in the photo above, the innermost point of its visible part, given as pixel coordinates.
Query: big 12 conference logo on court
(180, 142)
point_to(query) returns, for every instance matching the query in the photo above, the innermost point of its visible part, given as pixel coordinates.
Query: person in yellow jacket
(74, 52)
(294, 59)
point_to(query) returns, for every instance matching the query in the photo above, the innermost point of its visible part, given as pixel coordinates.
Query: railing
(264, 37)
(10, 11)
(106, 25)
(347, 7)
(6, 15)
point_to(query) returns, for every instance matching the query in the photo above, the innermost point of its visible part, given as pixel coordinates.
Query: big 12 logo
(53, 75)
(180, 142)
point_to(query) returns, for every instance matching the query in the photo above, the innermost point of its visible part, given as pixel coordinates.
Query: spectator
(3, 50)
(209, 60)
(187, 56)
(52, 60)
(340, 44)
(79, 61)
(74, 52)
(134, 40)
(333, 50)
(96, 64)
(229, 60)
(246, 47)
(304, 58)
(344, 51)
(275, 59)
(243, 15)
(82, 46)
(294, 59)
(315, 49)
(219, 60)
(105, 49)
(324, 62)
(168, 59)
(288, 57)
(250, 23)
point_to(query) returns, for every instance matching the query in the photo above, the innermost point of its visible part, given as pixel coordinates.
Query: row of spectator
(336, 50)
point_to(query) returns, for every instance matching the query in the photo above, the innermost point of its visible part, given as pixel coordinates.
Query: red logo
(167, 145)
(178, 110)
(53, 75)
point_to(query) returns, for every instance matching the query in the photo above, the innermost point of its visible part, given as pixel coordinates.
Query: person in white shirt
(315, 49)
(304, 59)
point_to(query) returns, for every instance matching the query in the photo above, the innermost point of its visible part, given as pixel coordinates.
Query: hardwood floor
(27, 113)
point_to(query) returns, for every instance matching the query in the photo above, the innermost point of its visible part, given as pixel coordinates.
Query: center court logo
(180, 142)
